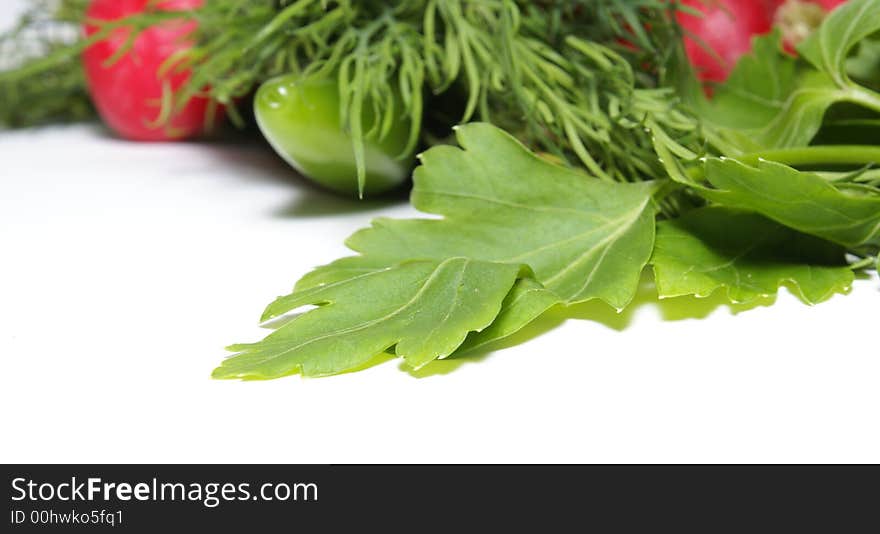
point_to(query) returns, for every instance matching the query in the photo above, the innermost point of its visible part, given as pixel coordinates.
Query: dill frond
(575, 78)
(41, 49)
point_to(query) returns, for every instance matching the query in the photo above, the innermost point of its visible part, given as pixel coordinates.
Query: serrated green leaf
(526, 302)
(423, 309)
(748, 255)
(343, 269)
(799, 200)
(503, 208)
(583, 238)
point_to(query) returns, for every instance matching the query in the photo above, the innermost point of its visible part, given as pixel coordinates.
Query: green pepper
(301, 120)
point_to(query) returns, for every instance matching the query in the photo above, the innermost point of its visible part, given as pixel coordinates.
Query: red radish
(128, 93)
(717, 39)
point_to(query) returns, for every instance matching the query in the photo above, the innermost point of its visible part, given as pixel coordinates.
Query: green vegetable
(423, 309)
(504, 208)
(768, 102)
(526, 301)
(300, 119)
(555, 74)
(745, 224)
(829, 46)
(799, 200)
(49, 84)
(748, 255)
(583, 238)
(773, 101)
(773, 182)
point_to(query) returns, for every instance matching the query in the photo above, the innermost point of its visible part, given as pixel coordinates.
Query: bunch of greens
(41, 80)
(761, 205)
(557, 74)
(596, 155)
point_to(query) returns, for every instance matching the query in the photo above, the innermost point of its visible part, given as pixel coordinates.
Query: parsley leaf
(423, 309)
(583, 238)
(526, 301)
(420, 286)
(828, 47)
(800, 200)
(748, 255)
(773, 101)
(769, 102)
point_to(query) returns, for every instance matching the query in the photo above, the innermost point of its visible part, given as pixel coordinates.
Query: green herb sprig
(557, 74)
(42, 80)
(750, 223)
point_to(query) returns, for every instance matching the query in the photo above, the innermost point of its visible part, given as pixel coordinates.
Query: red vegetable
(726, 28)
(716, 40)
(128, 93)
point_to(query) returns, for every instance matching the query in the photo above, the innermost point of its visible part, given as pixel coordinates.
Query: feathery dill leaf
(577, 79)
(41, 50)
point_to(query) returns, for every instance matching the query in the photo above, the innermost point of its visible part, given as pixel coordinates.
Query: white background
(126, 268)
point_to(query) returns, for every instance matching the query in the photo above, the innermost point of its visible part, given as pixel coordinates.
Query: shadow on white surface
(669, 309)
(256, 160)
(315, 202)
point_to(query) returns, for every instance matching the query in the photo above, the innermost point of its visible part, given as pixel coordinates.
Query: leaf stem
(864, 263)
(865, 97)
(817, 155)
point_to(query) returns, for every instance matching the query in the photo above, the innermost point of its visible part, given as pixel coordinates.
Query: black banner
(259, 498)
